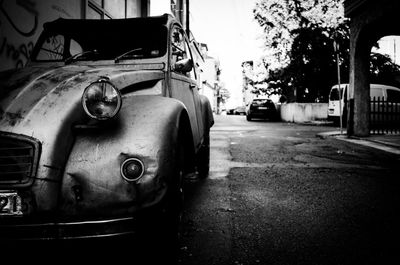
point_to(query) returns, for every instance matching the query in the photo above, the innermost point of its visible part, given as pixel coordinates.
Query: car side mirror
(184, 65)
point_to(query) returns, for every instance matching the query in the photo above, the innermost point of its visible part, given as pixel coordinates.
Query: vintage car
(99, 129)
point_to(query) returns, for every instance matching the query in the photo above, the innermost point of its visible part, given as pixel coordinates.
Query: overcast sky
(231, 34)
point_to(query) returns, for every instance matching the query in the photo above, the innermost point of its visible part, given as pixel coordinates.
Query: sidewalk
(386, 142)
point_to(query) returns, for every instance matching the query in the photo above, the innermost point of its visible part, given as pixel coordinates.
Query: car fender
(207, 113)
(147, 128)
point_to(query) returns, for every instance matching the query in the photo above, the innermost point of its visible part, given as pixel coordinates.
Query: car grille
(18, 160)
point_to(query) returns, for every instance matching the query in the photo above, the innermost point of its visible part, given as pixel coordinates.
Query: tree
(300, 35)
(282, 20)
(313, 63)
(302, 62)
(223, 93)
(383, 70)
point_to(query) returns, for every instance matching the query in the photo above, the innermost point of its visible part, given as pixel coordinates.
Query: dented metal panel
(145, 129)
(77, 181)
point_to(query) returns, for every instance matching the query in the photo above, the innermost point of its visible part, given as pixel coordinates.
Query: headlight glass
(101, 100)
(132, 169)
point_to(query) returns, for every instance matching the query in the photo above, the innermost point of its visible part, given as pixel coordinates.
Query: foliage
(313, 63)
(300, 36)
(223, 93)
(281, 20)
(383, 70)
(302, 63)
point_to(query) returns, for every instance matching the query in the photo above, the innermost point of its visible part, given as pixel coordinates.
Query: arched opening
(384, 115)
(385, 61)
(370, 22)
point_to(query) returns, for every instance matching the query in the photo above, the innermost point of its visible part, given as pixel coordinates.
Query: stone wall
(303, 112)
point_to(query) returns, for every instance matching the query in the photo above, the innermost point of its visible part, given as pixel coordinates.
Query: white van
(384, 92)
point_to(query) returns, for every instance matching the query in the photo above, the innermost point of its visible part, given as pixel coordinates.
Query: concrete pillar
(370, 20)
(358, 105)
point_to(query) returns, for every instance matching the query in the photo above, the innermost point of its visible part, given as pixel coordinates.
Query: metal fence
(384, 116)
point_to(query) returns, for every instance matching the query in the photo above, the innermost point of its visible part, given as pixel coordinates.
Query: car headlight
(132, 169)
(101, 100)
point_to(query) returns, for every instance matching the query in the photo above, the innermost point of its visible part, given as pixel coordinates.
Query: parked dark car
(261, 109)
(98, 130)
(230, 111)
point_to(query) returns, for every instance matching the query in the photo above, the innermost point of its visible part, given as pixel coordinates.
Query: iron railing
(384, 116)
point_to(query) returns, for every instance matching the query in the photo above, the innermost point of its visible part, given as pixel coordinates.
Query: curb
(377, 141)
(325, 135)
(382, 145)
(315, 123)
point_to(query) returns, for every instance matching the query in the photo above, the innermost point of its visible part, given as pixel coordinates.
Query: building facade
(21, 21)
(210, 79)
(248, 80)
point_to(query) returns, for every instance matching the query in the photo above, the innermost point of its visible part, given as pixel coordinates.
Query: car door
(183, 85)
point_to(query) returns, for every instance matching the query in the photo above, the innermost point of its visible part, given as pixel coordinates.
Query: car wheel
(174, 199)
(159, 229)
(203, 165)
(248, 117)
(174, 209)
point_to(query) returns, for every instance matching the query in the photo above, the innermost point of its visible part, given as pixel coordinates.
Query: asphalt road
(277, 194)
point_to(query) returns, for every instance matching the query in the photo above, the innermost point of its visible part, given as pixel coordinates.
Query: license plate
(10, 203)
(262, 107)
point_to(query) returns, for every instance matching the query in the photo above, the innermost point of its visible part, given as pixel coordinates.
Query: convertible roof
(107, 24)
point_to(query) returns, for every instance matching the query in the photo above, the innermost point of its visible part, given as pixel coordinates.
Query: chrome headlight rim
(99, 117)
(123, 169)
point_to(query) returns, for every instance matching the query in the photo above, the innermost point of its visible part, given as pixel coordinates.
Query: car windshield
(261, 101)
(69, 41)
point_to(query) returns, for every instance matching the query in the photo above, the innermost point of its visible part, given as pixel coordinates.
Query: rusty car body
(99, 129)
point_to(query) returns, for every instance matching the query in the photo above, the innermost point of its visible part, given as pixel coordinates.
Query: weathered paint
(78, 174)
(47, 107)
(180, 89)
(146, 128)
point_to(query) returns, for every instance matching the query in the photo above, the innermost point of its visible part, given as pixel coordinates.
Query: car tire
(174, 198)
(160, 228)
(248, 117)
(203, 165)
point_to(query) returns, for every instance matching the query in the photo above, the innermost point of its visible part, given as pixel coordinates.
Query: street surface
(277, 194)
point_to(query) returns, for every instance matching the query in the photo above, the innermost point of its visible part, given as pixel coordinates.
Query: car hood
(42, 93)
(43, 103)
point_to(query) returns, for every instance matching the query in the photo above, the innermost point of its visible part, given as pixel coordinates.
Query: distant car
(230, 111)
(239, 110)
(261, 109)
(98, 130)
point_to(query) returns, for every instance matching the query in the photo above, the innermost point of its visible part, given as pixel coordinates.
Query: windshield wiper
(119, 57)
(76, 56)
